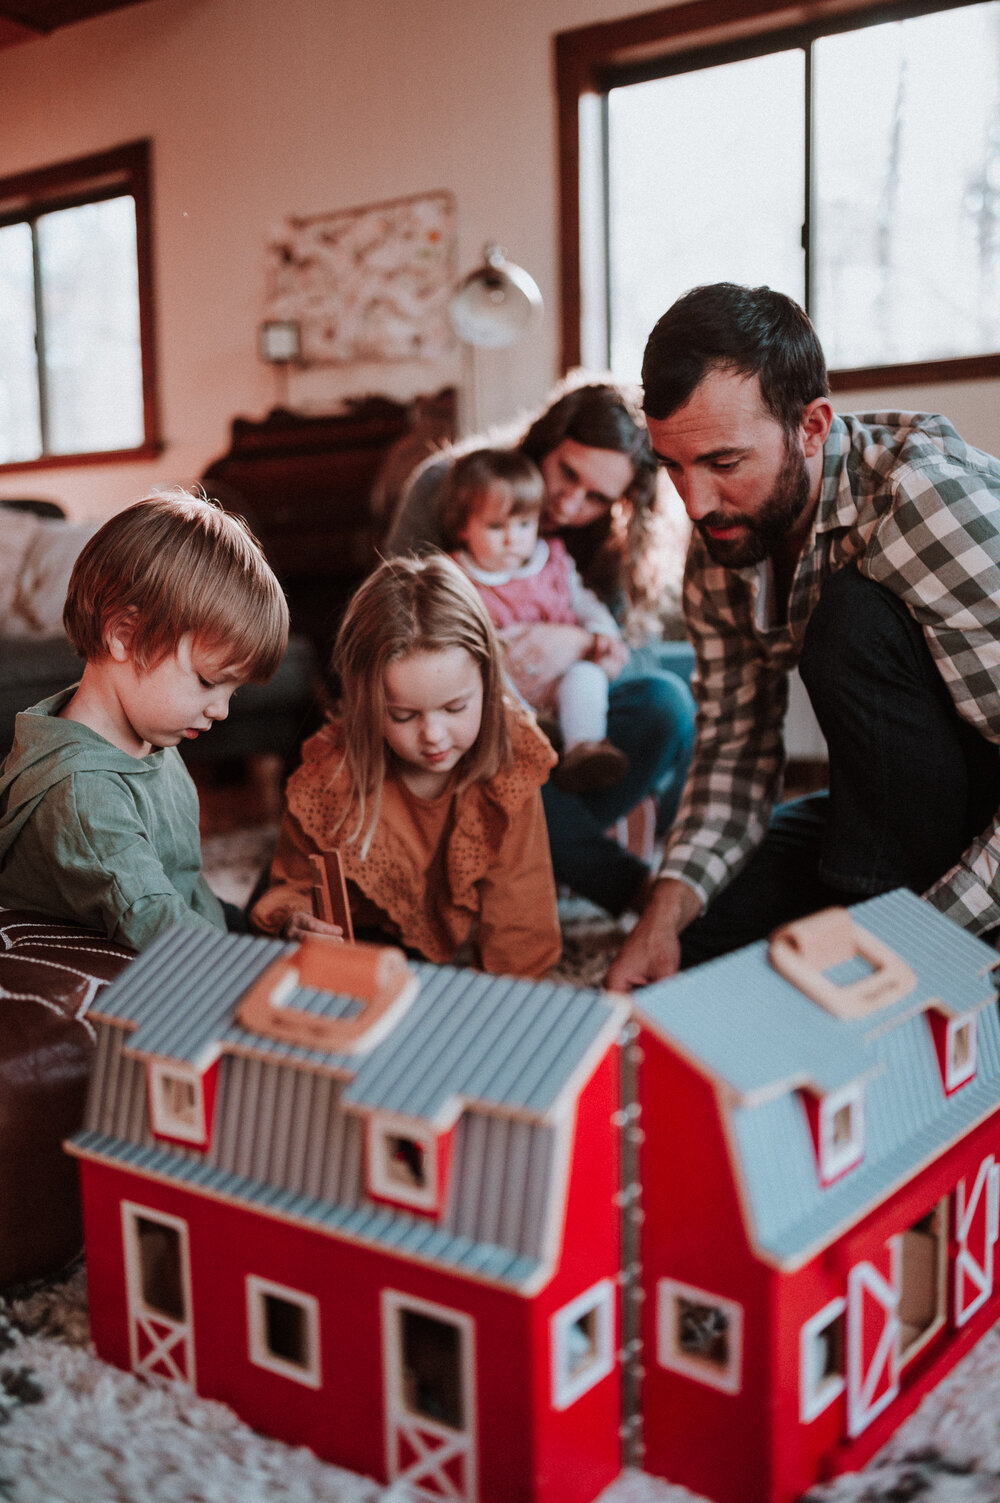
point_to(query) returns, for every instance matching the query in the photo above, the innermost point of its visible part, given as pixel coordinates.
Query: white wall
(262, 108)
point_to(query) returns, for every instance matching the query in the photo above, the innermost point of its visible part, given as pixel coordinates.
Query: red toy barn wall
(753, 1448)
(525, 1449)
(711, 1441)
(579, 1448)
(805, 1453)
(344, 1420)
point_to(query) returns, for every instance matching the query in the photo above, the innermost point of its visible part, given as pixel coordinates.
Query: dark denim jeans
(911, 783)
(650, 719)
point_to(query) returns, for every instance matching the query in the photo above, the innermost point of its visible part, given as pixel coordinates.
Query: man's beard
(762, 533)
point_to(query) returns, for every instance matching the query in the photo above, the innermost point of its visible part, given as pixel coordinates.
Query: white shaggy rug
(73, 1430)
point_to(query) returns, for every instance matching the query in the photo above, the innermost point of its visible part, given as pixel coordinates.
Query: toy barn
(821, 1141)
(396, 1229)
(384, 1228)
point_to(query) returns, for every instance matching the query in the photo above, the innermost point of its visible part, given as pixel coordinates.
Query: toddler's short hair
(175, 563)
(473, 474)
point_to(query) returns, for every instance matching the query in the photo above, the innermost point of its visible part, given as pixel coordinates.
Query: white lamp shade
(495, 303)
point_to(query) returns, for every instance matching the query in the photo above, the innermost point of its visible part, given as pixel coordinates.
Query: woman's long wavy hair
(412, 605)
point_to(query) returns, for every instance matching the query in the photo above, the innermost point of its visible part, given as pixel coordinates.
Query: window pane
(907, 218)
(91, 314)
(20, 430)
(706, 184)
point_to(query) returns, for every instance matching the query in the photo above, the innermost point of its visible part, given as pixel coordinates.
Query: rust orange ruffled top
(437, 869)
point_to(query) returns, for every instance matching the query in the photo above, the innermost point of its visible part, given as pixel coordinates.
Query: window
(709, 142)
(923, 1284)
(821, 1360)
(431, 1358)
(283, 1326)
(76, 317)
(177, 1107)
(955, 1041)
(699, 1334)
(841, 1131)
(582, 1344)
(402, 1164)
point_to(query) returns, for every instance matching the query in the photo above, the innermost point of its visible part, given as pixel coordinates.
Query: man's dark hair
(752, 331)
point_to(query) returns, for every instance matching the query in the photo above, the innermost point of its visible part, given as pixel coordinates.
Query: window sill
(103, 456)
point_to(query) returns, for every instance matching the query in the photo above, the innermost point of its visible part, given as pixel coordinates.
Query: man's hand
(653, 950)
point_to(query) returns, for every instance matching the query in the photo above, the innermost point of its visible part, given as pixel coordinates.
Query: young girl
(428, 783)
(490, 507)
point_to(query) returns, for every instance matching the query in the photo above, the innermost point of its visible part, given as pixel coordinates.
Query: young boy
(173, 606)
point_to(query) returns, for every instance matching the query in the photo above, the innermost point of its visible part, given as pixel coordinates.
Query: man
(865, 549)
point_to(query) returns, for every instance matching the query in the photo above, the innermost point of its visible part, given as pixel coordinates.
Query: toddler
(490, 508)
(428, 780)
(172, 606)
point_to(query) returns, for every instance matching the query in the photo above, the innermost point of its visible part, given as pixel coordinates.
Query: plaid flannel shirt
(919, 511)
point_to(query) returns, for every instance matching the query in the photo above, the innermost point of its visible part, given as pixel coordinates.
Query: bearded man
(864, 549)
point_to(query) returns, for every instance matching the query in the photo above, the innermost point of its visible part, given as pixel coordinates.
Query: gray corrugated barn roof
(759, 1038)
(496, 1040)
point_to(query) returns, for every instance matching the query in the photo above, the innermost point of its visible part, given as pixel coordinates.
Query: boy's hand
(298, 925)
(609, 653)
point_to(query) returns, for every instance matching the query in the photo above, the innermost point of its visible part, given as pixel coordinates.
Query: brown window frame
(590, 58)
(66, 185)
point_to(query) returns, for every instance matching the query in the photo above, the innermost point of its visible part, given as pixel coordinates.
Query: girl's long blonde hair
(412, 605)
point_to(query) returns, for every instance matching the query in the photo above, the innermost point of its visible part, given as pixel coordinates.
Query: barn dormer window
(177, 1102)
(956, 1046)
(841, 1131)
(403, 1163)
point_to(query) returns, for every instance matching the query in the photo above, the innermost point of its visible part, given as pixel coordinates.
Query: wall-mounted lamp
(495, 303)
(489, 310)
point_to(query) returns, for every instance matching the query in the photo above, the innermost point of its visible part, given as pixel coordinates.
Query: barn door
(976, 1234)
(429, 1371)
(873, 1337)
(158, 1278)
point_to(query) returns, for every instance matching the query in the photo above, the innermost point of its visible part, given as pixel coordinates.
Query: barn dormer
(407, 1163)
(837, 1124)
(955, 1038)
(181, 1101)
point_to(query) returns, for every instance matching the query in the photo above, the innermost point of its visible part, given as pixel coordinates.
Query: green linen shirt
(93, 836)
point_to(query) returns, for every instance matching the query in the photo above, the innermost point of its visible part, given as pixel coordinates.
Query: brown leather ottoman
(49, 975)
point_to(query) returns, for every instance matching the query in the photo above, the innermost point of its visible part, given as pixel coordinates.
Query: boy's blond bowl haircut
(473, 474)
(412, 605)
(175, 563)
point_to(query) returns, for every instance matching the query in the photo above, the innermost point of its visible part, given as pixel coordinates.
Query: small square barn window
(582, 1344)
(283, 1326)
(821, 1364)
(841, 1131)
(177, 1103)
(699, 1334)
(402, 1163)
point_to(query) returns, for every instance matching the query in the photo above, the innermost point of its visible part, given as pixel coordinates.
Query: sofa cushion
(50, 974)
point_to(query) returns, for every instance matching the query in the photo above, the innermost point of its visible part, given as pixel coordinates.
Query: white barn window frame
(583, 1343)
(306, 1368)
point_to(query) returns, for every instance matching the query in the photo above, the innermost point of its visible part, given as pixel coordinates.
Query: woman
(600, 478)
